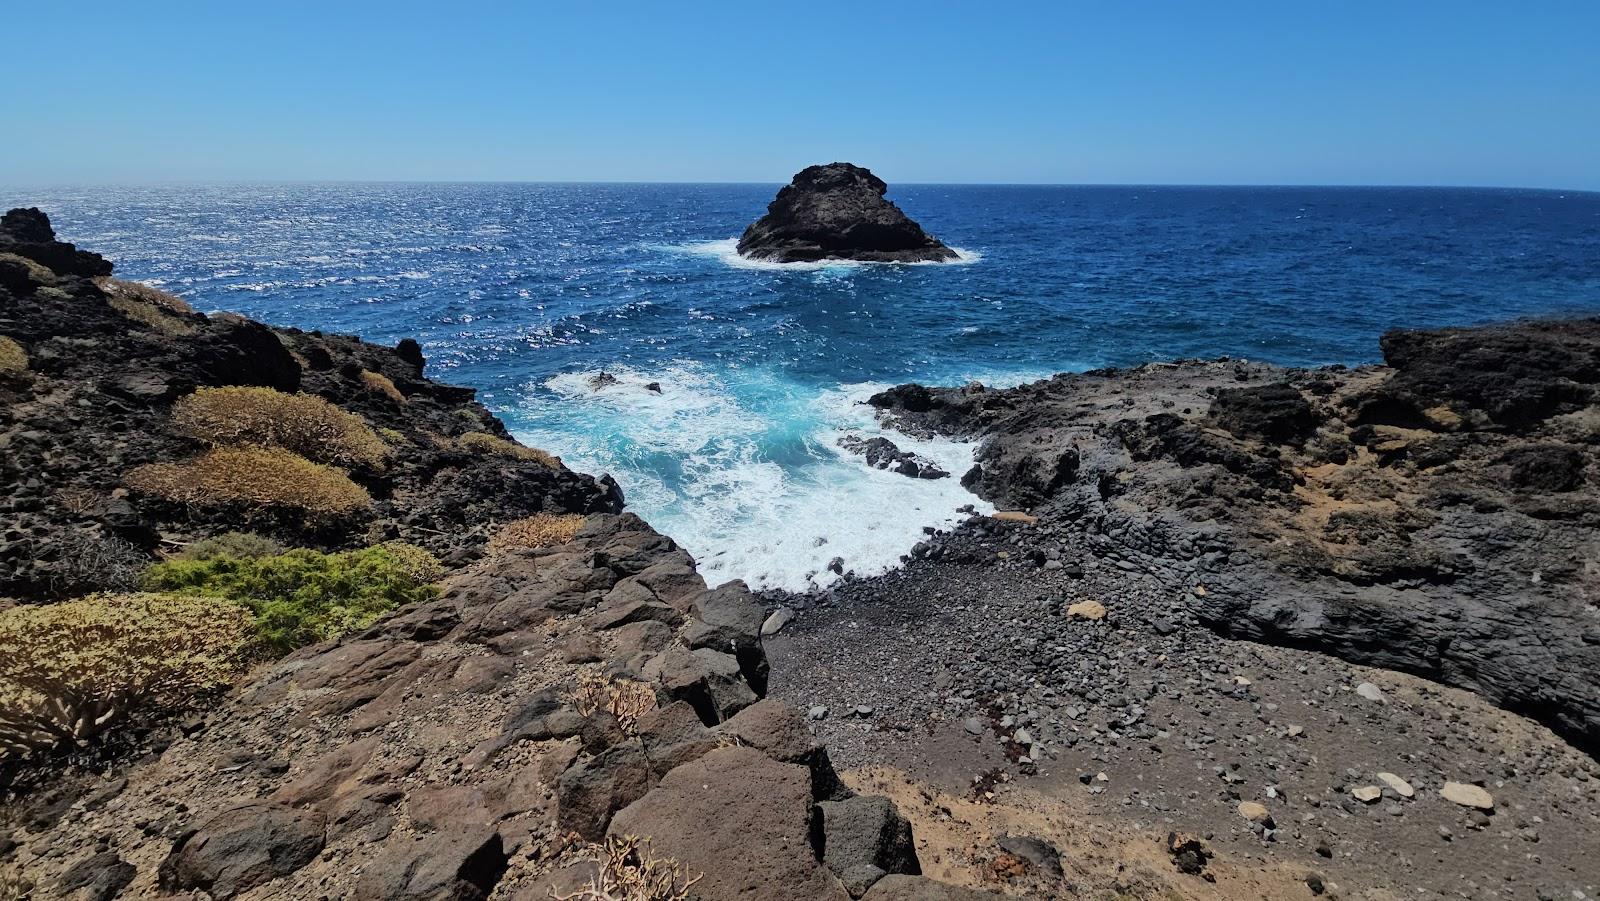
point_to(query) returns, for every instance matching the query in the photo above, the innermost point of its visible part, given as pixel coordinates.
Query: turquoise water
(526, 291)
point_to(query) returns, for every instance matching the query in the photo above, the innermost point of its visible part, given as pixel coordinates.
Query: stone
(594, 788)
(1040, 854)
(1015, 516)
(1467, 795)
(1089, 610)
(100, 877)
(455, 866)
(1370, 692)
(1366, 794)
(838, 212)
(742, 819)
(866, 831)
(1400, 786)
(774, 624)
(1256, 812)
(243, 847)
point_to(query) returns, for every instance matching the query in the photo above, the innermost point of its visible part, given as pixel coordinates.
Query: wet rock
(881, 453)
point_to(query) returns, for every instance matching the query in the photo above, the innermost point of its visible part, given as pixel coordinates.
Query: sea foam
(727, 251)
(742, 467)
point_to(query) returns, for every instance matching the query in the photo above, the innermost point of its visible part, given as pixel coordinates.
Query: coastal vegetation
(485, 443)
(12, 357)
(256, 476)
(538, 530)
(263, 417)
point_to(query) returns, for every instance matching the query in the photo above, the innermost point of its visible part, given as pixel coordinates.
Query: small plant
(151, 307)
(622, 698)
(258, 476)
(94, 562)
(262, 417)
(12, 357)
(37, 271)
(71, 670)
(146, 294)
(303, 596)
(631, 871)
(378, 383)
(538, 530)
(485, 443)
(245, 545)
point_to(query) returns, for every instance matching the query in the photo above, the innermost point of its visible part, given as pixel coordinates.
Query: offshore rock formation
(479, 745)
(1434, 516)
(838, 212)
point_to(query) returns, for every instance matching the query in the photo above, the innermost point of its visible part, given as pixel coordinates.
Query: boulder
(838, 212)
(865, 835)
(244, 847)
(881, 453)
(593, 789)
(455, 866)
(100, 877)
(742, 819)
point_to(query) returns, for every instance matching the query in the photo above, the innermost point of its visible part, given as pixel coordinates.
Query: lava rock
(838, 212)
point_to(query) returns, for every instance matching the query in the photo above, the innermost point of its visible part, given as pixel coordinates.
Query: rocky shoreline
(1149, 678)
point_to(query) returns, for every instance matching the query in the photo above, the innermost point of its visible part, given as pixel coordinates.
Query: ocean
(526, 291)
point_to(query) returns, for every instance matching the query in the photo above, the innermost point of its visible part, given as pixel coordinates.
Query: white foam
(746, 474)
(727, 251)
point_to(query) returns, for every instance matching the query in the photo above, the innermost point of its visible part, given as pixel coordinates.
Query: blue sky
(1280, 92)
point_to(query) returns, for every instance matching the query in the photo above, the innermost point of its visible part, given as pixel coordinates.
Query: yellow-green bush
(485, 443)
(538, 530)
(378, 383)
(247, 545)
(146, 294)
(302, 596)
(38, 271)
(268, 477)
(71, 670)
(151, 307)
(262, 417)
(12, 357)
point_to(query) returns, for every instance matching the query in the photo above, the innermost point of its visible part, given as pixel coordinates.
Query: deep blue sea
(525, 290)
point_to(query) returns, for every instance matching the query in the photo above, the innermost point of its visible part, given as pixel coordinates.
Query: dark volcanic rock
(1519, 373)
(1276, 413)
(241, 848)
(838, 212)
(881, 453)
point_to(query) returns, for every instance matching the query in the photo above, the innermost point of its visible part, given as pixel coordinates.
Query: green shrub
(71, 670)
(485, 443)
(12, 357)
(231, 544)
(262, 417)
(303, 596)
(252, 475)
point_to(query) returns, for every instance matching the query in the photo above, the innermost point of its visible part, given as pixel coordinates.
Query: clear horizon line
(158, 183)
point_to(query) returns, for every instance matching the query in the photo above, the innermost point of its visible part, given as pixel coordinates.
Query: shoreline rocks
(1428, 516)
(838, 212)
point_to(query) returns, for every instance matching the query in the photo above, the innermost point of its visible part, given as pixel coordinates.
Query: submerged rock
(838, 212)
(881, 453)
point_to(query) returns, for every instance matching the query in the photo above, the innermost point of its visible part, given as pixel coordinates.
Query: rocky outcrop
(838, 212)
(94, 403)
(881, 453)
(1430, 516)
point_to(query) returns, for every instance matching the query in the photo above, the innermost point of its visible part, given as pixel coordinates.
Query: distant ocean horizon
(527, 290)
